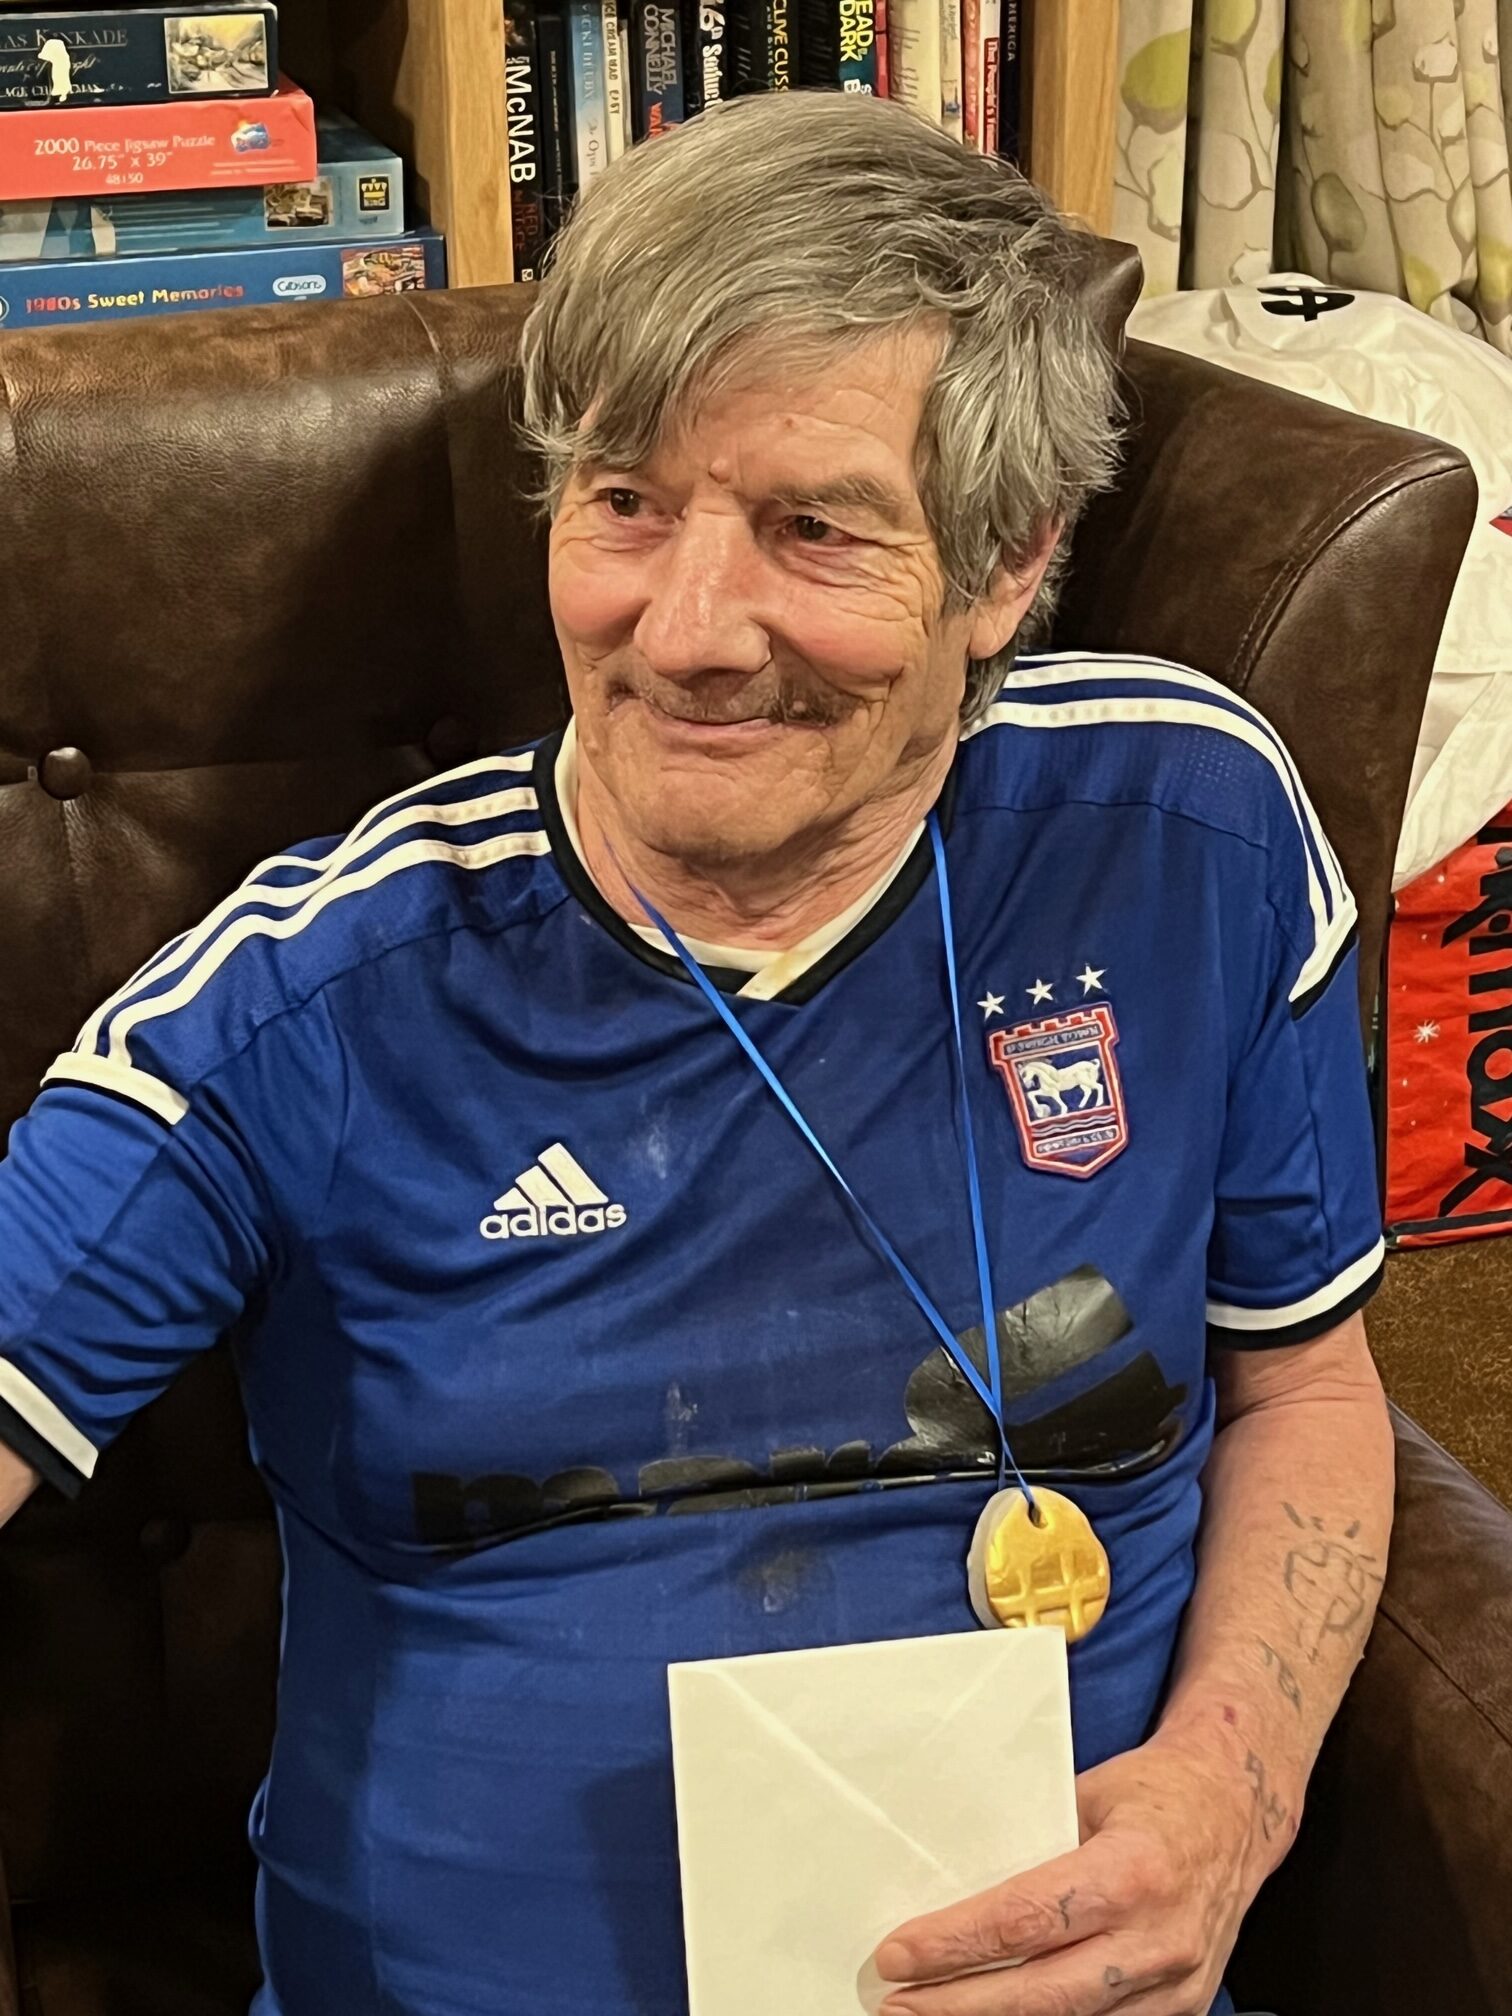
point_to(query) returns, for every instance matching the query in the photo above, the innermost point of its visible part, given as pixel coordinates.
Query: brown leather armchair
(262, 569)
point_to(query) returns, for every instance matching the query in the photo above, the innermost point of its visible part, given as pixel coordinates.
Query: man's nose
(700, 612)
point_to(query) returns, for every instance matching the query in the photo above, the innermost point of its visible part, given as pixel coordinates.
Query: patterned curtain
(1363, 141)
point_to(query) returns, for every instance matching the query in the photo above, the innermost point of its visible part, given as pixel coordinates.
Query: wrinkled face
(752, 622)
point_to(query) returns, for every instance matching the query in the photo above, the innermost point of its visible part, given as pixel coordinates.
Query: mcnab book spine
(1011, 59)
(913, 48)
(590, 109)
(522, 97)
(838, 45)
(656, 47)
(950, 68)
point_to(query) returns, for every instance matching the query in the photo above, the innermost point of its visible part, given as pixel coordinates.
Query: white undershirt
(771, 972)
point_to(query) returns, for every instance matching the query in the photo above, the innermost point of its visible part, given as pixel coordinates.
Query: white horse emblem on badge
(1064, 1088)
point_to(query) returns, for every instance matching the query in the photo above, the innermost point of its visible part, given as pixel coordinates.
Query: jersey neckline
(901, 886)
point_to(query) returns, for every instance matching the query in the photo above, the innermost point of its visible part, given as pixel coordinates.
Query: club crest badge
(1063, 1085)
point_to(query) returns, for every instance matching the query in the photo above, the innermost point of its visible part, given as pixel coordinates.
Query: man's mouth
(687, 713)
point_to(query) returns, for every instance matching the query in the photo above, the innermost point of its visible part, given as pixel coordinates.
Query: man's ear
(996, 618)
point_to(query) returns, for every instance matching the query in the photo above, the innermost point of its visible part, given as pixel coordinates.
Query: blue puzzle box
(358, 192)
(100, 290)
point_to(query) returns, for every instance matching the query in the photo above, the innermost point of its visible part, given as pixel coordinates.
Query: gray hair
(807, 222)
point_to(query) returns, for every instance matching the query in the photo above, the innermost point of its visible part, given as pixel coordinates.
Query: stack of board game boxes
(584, 79)
(154, 161)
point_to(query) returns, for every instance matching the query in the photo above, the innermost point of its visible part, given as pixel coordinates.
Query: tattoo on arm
(1272, 1813)
(1328, 1579)
(1286, 1680)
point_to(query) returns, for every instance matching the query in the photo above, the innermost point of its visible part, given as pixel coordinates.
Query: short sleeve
(1296, 1243)
(134, 1230)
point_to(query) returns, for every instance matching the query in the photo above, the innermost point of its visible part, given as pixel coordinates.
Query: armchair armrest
(1395, 1896)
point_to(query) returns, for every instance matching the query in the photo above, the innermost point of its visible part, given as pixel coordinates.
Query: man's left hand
(1140, 1919)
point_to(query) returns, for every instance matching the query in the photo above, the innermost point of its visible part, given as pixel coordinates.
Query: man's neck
(771, 903)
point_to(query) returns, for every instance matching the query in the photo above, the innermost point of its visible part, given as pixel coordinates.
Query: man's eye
(622, 503)
(810, 531)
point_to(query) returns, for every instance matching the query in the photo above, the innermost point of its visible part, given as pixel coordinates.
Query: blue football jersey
(570, 1360)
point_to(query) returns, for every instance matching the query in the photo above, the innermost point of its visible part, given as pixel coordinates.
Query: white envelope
(825, 1797)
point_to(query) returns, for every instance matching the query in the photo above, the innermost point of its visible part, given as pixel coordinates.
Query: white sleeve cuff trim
(54, 1426)
(1230, 1316)
(84, 1068)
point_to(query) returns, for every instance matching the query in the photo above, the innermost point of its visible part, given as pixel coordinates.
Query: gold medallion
(1047, 1569)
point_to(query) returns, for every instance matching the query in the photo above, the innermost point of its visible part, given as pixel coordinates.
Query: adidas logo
(554, 1198)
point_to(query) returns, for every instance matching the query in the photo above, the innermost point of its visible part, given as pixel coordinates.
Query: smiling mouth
(785, 711)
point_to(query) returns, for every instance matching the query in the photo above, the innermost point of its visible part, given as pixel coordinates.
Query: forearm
(1292, 1550)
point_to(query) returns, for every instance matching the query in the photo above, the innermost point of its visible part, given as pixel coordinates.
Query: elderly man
(570, 1357)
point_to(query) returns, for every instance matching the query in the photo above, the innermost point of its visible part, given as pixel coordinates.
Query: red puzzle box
(112, 149)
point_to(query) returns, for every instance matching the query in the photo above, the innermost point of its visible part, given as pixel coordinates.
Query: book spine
(1011, 57)
(590, 111)
(614, 79)
(971, 72)
(627, 96)
(780, 23)
(880, 29)
(711, 54)
(950, 68)
(522, 97)
(913, 32)
(558, 170)
(988, 80)
(657, 63)
(745, 59)
(858, 45)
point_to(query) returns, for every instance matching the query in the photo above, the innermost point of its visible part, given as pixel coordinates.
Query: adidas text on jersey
(554, 1198)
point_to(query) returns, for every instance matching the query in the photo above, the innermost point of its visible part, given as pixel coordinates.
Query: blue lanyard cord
(989, 1392)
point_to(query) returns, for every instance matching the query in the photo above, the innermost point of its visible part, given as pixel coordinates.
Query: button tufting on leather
(66, 773)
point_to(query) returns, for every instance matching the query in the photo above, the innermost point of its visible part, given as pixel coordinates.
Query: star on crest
(1091, 978)
(1426, 1032)
(993, 1005)
(1040, 991)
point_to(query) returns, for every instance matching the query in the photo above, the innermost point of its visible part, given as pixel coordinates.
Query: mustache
(724, 701)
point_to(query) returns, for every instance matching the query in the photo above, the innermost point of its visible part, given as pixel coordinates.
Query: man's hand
(1141, 1918)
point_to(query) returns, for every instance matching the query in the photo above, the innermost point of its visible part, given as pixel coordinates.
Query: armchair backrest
(264, 568)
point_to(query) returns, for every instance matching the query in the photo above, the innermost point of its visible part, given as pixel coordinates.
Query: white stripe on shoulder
(370, 831)
(47, 1419)
(1329, 934)
(140, 1087)
(1067, 668)
(1232, 1316)
(482, 854)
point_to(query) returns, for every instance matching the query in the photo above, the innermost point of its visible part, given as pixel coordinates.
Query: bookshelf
(1072, 100)
(427, 77)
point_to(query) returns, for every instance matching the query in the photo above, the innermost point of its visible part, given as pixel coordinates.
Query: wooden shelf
(427, 76)
(1073, 104)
